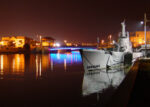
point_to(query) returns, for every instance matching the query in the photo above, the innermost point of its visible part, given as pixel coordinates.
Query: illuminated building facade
(69, 44)
(138, 38)
(15, 41)
(89, 44)
(47, 42)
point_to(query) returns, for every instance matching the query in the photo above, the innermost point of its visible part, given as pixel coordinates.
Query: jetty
(135, 89)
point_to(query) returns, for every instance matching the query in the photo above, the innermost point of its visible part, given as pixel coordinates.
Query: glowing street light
(110, 36)
(102, 42)
(56, 45)
(40, 41)
(142, 22)
(113, 42)
(97, 42)
(65, 41)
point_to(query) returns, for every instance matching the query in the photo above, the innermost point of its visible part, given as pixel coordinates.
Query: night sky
(73, 20)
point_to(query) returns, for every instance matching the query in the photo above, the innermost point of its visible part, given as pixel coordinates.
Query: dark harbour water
(54, 80)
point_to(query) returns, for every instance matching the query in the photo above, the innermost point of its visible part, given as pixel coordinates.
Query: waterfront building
(16, 41)
(69, 44)
(138, 38)
(47, 41)
(88, 44)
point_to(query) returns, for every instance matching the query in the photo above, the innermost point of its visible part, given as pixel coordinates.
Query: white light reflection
(98, 81)
(38, 66)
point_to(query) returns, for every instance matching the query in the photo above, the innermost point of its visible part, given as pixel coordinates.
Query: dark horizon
(71, 20)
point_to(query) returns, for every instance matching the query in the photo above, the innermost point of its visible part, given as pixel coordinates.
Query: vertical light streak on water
(13, 65)
(2, 66)
(65, 65)
(76, 58)
(58, 56)
(40, 70)
(51, 65)
(37, 66)
(18, 62)
(71, 58)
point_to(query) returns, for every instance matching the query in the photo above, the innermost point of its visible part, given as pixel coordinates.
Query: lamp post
(40, 41)
(102, 42)
(97, 42)
(110, 36)
(145, 21)
(65, 41)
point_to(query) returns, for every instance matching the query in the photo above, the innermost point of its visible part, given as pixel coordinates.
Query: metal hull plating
(98, 59)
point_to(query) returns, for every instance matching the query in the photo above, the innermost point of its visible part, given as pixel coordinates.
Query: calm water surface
(38, 65)
(55, 79)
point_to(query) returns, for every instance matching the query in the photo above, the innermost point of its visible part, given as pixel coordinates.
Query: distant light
(113, 42)
(76, 44)
(65, 41)
(142, 22)
(110, 36)
(102, 42)
(40, 38)
(2, 43)
(140, 41)
(37, 44)
(56, 45)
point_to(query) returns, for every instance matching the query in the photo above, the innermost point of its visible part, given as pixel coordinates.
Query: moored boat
(99, 59)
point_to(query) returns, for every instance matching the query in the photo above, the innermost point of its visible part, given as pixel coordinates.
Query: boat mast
(123, 29)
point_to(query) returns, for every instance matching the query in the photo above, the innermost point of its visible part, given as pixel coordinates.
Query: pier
(134, 90)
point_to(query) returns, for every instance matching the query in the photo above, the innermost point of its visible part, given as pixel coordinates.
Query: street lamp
(142, 22)
(110, 36)
(65, 41)
(97, 42)
(145, 21)
(40, 41)
(102, 42)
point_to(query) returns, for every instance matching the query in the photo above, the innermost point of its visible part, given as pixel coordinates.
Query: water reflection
(14, 63)
(65, 64)
(65, 59)
(99, 81)
(38, 65)
(2, 66)
(70, 57)
(18, 63)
